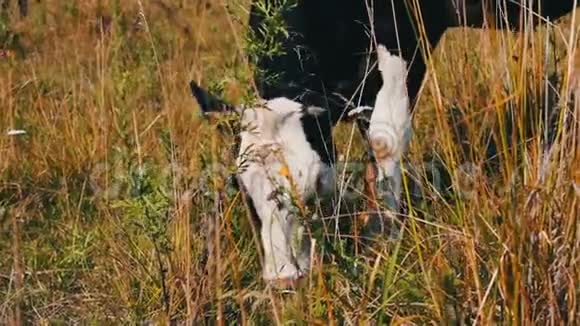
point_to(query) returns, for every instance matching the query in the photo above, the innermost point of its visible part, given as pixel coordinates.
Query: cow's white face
(280, 171)
(284, 162)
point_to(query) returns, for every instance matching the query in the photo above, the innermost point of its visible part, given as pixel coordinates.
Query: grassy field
(115, 206)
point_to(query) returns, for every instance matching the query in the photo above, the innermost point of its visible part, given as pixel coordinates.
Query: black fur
(328, 47)
(318, 132)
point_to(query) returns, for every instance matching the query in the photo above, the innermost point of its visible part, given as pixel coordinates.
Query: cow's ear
(207, 102)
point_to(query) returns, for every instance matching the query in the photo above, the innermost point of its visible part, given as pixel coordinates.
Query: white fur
(274, 139)
(390, 123)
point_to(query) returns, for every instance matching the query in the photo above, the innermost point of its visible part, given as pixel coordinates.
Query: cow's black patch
(318, 131)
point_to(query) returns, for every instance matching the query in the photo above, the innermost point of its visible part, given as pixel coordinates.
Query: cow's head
(284, 163)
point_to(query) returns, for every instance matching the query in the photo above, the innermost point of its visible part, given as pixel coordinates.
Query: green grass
(112, 209)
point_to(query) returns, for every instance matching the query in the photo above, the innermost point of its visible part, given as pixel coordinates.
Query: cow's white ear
(208, 102)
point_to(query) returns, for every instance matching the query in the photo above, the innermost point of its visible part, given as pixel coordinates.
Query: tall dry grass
(115, 205)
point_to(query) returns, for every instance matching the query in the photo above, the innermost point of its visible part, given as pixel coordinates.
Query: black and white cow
(328, 70)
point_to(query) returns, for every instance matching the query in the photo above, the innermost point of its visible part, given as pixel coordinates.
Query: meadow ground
(115, 205)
